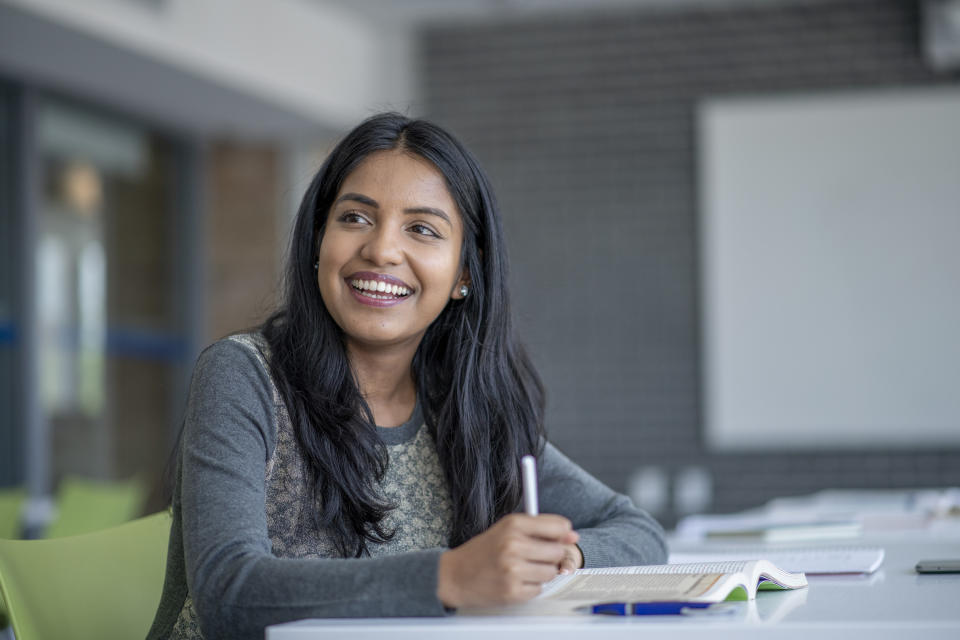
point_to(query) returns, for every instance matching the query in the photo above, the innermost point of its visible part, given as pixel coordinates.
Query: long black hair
(482, 398)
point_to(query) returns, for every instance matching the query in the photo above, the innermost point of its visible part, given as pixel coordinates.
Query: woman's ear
(462, 288)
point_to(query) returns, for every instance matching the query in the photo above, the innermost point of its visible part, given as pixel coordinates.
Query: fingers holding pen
(545, 539)
(545, 526)
(505, 564)
(572, 559)
(540, 539)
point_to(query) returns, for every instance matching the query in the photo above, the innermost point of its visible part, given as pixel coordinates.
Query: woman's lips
(378, 289)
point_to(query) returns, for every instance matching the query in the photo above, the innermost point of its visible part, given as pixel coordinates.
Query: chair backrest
(104, 585)
(85, 505)
(11, 501)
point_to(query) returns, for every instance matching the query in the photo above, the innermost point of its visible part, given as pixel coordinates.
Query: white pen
(530, 502)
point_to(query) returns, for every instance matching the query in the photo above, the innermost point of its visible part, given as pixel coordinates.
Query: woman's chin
(381, 339)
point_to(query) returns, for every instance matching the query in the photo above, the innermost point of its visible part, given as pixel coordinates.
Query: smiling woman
(390, 227)
(359, 454)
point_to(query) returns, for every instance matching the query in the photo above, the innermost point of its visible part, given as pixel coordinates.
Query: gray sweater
(243, 553)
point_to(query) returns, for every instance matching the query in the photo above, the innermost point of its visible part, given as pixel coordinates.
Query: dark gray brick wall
(586, 126)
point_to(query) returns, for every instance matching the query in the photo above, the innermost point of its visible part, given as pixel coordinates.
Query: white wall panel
(830, 229)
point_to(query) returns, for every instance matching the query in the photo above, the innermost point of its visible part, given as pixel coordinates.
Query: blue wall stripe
(8, 333)
(121, 341)
(144, 343)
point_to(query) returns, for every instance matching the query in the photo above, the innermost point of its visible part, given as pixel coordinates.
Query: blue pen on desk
(646, 608)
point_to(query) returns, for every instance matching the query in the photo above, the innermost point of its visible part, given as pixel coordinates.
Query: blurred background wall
(588, 125)
(153, 153)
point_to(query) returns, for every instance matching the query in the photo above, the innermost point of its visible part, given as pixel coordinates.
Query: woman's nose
(382, 246)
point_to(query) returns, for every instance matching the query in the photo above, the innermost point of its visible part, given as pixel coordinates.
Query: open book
(700, 582)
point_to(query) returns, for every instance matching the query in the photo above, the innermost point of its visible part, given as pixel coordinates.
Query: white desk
(894, 602)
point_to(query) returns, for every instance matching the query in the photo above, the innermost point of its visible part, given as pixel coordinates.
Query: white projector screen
(830, 254)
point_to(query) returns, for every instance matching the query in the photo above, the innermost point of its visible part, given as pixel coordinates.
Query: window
(111, 330)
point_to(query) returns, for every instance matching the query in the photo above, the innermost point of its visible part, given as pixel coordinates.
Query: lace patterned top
(414, 483)
(243, 555)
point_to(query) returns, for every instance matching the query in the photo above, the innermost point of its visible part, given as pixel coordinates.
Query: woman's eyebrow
(370, 202)
(430, 211)
(357, 197)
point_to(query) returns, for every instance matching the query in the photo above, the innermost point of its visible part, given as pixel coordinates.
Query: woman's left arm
(613, 532)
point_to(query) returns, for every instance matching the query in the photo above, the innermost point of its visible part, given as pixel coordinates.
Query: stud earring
(464, 290)
(316, 266)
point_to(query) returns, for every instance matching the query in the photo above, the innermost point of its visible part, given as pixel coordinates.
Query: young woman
(359, 455)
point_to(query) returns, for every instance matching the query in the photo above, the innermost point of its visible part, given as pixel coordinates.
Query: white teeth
(378, 286)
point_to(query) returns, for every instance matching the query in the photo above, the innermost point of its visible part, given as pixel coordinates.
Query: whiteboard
(830, 270)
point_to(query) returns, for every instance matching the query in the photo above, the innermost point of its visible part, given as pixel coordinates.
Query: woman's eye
(352, 217)
(424, 230)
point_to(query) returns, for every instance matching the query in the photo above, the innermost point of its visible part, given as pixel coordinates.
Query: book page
(566, 595)
(695, 569)
(626, 587)
(729, 566)
(695, 582)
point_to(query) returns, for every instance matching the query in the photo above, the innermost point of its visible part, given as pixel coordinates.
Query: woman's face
(389, 260)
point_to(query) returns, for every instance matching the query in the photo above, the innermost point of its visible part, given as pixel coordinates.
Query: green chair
(11, 501)
(104, 585)
(85, 505)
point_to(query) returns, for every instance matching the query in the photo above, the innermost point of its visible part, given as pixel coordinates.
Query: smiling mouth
(379, 290)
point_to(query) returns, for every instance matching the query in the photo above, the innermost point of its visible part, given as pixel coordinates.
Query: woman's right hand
(505, 564)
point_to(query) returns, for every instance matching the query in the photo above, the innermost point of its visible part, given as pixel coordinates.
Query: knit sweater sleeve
(613, 532)
(238, 586)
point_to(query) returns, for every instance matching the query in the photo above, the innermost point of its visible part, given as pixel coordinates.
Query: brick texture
(586, 126)
(242, 236)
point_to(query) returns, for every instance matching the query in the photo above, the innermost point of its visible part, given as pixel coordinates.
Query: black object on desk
(938, 566)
